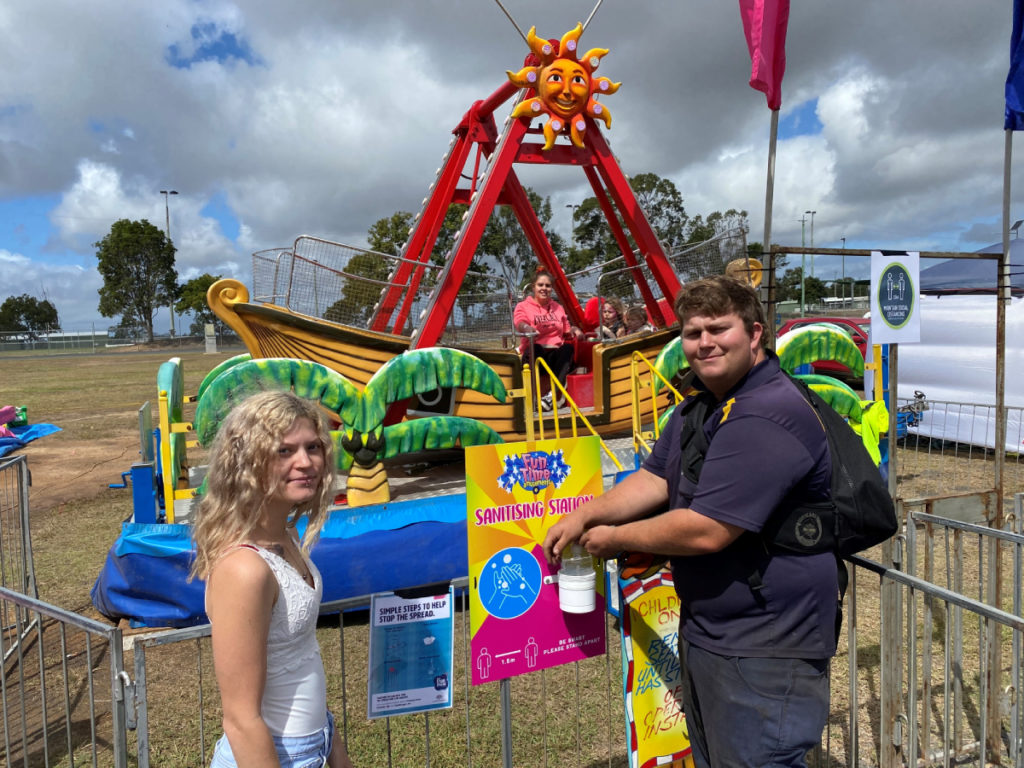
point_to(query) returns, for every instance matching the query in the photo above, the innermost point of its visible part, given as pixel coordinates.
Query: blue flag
(1014, 120)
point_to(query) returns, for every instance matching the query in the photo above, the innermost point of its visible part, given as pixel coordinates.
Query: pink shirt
(551, 322)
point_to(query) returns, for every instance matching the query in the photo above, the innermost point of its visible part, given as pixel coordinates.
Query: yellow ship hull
(272, 331)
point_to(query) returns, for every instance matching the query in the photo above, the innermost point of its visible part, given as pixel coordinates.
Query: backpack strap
(693, 444)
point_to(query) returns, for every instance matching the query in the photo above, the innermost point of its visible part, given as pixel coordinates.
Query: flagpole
(769, 194)
(991, 738)
(1003, 294)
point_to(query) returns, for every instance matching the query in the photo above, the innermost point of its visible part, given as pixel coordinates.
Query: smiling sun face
(565, 86)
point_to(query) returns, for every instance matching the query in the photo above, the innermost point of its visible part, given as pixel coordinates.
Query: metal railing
(62, 692)
(909, 657)
(929, 669)
(17, 569)
(344, 284)
(586, 730)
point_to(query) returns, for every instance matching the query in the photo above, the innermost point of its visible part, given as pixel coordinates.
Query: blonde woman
(270, 464)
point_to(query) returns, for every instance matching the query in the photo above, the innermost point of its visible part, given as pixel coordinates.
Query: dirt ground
(67, 470)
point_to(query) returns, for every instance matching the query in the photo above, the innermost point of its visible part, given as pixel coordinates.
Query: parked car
(857, 328)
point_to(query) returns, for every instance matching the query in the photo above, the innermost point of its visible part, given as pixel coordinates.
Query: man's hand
(560, 535)
(601, 541)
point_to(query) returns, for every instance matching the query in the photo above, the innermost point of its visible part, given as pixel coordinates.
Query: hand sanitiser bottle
(576, 581)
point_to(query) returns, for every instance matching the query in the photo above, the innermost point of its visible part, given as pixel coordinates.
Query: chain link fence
(359, 287)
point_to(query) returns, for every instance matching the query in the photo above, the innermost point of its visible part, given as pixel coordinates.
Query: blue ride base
(378, 548)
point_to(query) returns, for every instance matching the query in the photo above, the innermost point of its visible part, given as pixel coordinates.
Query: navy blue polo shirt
(767, 450)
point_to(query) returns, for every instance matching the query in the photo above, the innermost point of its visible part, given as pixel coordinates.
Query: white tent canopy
(955, 362)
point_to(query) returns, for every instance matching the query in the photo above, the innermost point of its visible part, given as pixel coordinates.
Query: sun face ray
(566, 90)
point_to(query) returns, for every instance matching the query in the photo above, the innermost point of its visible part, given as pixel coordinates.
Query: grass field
(94, 399)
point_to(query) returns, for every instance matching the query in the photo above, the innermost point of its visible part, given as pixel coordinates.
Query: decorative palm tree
(364, 441)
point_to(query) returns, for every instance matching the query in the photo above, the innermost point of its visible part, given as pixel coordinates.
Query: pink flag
(764, 24)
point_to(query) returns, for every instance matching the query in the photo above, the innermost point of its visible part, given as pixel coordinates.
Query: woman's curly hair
(238, 483)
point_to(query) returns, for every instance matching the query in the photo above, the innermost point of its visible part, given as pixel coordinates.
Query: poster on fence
(651, 682)
(410, 663)
(514, 493)
(895, 303)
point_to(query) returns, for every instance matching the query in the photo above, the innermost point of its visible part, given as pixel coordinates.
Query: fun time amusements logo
(534, 471)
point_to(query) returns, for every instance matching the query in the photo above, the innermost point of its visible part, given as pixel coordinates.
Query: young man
(757, 627)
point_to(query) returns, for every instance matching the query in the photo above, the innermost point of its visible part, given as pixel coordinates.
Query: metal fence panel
(62, 690)
(17, 571)
(909, 682)
(567, 716)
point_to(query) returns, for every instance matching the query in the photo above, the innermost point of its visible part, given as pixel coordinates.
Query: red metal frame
(501, 186)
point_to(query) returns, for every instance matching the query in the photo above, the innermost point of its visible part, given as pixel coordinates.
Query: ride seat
(583, 356)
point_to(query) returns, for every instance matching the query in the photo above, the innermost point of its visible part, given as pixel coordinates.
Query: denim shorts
(309, 751)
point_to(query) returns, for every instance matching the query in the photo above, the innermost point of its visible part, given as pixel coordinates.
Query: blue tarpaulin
(24, 435)
(369, 549)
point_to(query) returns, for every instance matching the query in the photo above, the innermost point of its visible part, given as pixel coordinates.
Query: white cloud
(72, 289)
(347, 112)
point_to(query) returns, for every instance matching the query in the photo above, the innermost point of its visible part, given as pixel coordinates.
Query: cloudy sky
(318, 117)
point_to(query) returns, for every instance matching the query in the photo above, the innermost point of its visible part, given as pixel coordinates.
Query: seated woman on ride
(542, 320)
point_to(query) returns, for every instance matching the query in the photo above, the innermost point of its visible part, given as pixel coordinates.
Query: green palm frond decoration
(307, 379)
(669, 362)
(840, 396)
(663, 419)
(423, 370)
(812, 343)
(363, 442)
(436, 433)
(219, 369)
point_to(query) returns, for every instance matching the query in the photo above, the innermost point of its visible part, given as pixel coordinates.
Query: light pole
(167, 223)
(812, 239)
(572, 222)
(803, 260)
(844, 270)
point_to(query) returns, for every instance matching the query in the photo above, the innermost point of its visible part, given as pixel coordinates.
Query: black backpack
(860, 512)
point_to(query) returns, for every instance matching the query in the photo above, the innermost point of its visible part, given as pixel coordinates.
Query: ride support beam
(443, 299)
(478, 130)
(624, 245)
(534, 231)
(632, 214)
(421, 241)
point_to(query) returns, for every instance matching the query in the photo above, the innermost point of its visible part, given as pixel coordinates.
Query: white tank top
(295, 694)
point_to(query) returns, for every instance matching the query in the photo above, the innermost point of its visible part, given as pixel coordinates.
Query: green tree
(136, 261)
(192, 298)
(387, 235)
(504, 243)
(814, 289)
(716, 223)
(662, 205)
(27, 314)
(503, 246)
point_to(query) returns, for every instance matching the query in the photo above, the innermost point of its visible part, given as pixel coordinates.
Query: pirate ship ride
(382, 342)
(315, 300)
